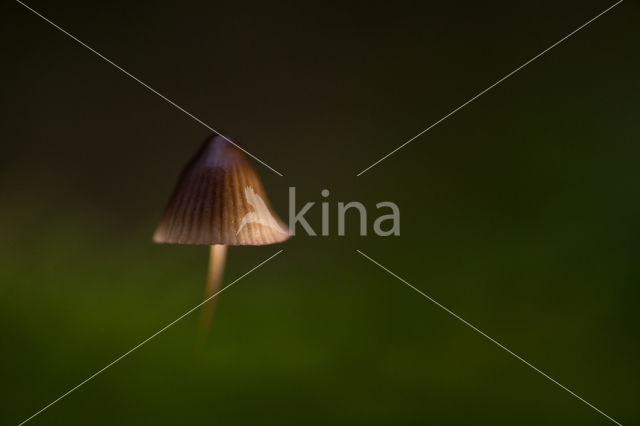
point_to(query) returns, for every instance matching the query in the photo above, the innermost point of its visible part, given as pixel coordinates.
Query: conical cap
(219, 200)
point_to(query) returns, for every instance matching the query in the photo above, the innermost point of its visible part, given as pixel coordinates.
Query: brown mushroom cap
(219, 200)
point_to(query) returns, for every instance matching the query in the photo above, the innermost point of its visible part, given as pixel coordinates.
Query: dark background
(520, 213)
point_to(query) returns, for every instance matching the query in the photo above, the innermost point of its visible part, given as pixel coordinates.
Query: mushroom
(219, 201)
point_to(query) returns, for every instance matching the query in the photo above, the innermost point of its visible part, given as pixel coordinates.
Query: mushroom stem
(217, 258)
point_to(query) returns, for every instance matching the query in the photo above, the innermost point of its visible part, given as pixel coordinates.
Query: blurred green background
(520, 213)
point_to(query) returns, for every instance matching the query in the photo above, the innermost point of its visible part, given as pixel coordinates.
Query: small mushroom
(219, 201)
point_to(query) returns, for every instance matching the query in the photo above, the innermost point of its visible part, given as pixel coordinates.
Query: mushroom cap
(219, 200)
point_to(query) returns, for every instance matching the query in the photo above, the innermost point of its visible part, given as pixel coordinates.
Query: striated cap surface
(219, 200)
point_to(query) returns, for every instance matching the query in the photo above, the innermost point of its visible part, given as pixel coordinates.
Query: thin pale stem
(217, 258)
